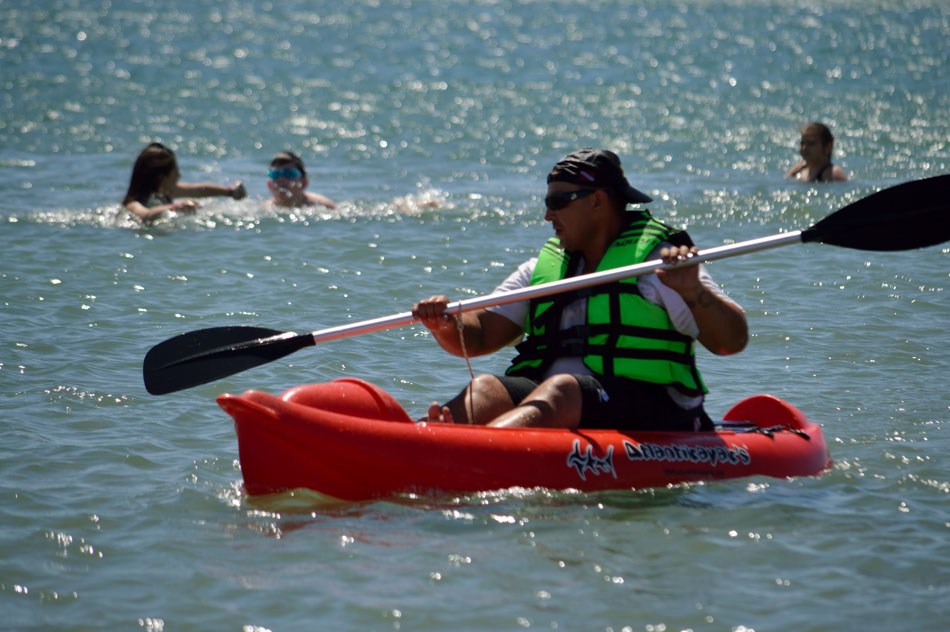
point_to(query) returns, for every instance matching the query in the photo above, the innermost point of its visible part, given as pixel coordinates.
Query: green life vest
(625, 335)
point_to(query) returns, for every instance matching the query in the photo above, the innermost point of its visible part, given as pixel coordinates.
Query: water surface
(120, 510)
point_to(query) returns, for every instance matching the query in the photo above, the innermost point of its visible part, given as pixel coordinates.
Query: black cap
(597, 168)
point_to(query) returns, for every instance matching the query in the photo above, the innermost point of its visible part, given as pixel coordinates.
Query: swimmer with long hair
(155, 185)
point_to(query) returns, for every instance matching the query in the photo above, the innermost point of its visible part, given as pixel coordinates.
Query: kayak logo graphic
(713, 455)
(585, 461)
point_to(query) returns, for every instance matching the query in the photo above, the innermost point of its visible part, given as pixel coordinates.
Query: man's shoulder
(519, 277)
(526, 268)
(675, 236)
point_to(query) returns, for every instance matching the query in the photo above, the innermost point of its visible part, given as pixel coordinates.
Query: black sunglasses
(557, 201)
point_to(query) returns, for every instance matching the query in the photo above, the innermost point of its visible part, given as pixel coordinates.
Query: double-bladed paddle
(911, 215)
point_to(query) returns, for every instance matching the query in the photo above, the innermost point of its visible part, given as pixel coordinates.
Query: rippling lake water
(433, 125)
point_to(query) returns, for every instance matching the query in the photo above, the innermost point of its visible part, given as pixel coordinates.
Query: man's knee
(560, 386)
(481, 401)
(486, 382)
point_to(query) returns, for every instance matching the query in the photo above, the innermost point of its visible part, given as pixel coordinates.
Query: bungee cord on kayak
(461, 329)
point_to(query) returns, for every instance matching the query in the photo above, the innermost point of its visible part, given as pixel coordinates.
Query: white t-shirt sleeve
(516, 312)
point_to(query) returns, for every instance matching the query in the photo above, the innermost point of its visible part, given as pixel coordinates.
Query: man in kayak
(618, 355)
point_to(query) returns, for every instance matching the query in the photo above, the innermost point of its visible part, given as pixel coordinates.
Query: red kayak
(351, 440)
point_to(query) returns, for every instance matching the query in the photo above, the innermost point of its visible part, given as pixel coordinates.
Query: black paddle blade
(911, 215)
(205, 355)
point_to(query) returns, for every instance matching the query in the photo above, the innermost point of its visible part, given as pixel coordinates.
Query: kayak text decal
(586, 461)
(713, 455)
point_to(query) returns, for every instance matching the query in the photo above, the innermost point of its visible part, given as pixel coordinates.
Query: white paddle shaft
(555, 287)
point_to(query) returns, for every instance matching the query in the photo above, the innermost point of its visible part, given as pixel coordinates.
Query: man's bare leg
(479, 403)
(555, 403)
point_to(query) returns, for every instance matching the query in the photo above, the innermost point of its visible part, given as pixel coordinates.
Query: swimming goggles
(288, 173)
(557, 201)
